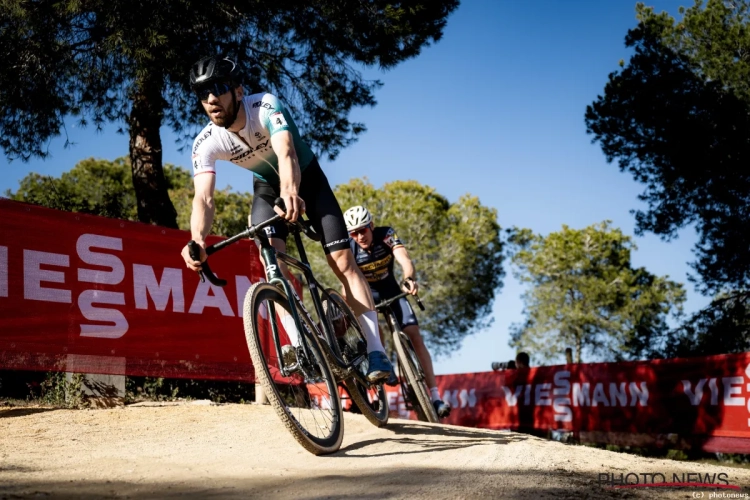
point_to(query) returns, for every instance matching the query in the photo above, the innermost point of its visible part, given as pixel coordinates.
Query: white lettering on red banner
(34, 275)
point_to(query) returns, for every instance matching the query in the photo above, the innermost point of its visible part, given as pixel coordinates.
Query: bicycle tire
(414, 376)
(372, 401)
(407, 393)
(317, 442)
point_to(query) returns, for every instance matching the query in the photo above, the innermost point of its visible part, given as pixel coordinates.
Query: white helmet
(357, 217)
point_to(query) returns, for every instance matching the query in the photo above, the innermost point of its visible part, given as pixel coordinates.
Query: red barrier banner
(89, 294)
(678, 402)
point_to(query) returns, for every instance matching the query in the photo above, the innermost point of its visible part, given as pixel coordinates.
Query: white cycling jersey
(251, 147)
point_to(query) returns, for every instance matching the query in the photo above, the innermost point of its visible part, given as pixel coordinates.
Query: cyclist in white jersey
(256, 132)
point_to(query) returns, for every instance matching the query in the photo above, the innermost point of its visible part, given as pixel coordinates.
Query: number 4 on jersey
(278, 120)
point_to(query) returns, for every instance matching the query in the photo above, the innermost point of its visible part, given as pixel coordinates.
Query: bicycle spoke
(304, 398)
(351, 346)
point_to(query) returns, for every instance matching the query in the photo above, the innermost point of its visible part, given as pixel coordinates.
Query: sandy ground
(198, 450)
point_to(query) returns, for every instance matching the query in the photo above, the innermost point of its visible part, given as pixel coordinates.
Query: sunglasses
(217, 89)
(359, 231)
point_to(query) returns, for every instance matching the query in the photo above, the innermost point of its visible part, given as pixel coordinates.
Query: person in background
(375, 249)
(522, 360)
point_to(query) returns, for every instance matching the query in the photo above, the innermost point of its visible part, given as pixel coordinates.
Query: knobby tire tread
(261, 371)
(405, 352)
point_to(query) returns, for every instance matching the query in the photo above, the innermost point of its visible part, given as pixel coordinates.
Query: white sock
(369, 323)
(434, 394)
(287, 321)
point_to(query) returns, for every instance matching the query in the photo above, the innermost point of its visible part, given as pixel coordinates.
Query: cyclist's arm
(203, 207)
(201, 218)
(407, 267)
(289, 173)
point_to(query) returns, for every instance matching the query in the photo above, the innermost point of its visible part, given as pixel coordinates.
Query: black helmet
(214, 69)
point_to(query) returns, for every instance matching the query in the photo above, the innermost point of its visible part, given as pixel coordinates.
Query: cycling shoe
(379, 367)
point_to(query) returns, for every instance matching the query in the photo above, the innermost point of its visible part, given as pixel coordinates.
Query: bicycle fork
(274, 276)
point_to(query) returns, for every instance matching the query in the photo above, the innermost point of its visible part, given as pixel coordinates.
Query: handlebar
(205, 273)
(304, 226)
(385, 303)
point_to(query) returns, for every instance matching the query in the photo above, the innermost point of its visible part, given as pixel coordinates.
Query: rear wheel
(306, 400)
(415, 379)
(351, 348)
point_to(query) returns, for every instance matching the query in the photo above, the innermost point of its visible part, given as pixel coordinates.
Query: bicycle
(304, 393)
(413, 385)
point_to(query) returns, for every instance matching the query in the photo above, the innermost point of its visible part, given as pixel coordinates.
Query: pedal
(358, 361)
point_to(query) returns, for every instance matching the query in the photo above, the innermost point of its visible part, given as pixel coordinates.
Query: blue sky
(494, 109)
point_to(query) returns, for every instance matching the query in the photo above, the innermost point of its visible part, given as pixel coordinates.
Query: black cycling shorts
(321, 208)
(401, 308)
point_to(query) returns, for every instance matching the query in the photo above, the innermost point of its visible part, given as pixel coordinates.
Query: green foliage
(166, 389)
(456, 250)
(677, 117)
(108, 61)
(97, 187)
(56, 389)
(232, 209)
(722, 327)
(90, 59)
(63, 390)
(586, 295)
(103, 187)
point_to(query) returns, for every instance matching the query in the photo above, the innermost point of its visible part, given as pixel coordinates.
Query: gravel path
(199, 450)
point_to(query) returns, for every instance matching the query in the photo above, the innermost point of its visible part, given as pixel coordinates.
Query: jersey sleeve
(204, 158)
(391, 238)
(274, 117)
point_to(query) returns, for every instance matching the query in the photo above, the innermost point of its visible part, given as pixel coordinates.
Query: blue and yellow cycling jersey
(376, 263)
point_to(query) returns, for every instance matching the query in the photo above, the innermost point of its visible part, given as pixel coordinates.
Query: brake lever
(195, 253)
(205, 272)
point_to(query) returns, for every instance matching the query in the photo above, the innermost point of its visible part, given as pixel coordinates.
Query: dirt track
(242, 451)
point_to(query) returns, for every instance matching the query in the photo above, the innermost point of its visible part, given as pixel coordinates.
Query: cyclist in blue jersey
(375, 249)
(258, 133)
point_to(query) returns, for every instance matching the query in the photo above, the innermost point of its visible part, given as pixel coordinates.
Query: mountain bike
(412, 379)
(303, 392)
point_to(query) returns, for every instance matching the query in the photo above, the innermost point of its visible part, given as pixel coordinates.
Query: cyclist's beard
(227, 116)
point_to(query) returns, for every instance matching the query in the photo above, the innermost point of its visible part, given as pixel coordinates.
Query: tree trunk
(579, 348)
(154, 205)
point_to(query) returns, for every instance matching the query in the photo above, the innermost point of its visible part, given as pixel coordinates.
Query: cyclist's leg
(358, 295)
(325, 214)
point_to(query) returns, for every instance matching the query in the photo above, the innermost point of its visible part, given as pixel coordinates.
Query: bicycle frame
(271, 258)
(384, 308)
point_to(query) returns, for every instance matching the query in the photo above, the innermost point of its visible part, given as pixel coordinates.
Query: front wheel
(306, 400)
(415, 379)
(351, 347)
